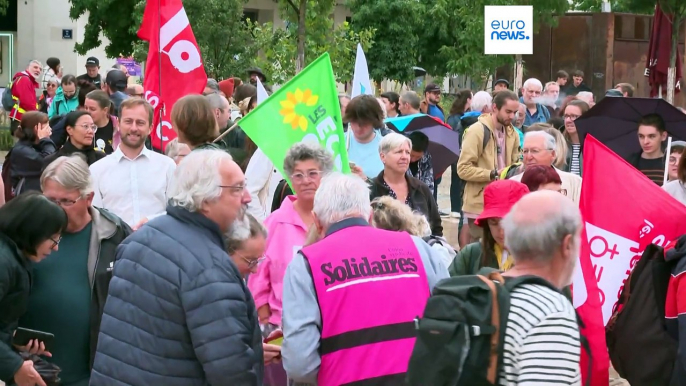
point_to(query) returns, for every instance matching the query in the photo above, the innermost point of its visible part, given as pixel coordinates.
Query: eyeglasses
(300, 177)
(234, 189)
(573, 117)
(252, 263)
(64, 202)
(534, 152)
(673, 160)
(51, 85)
(87, 127)
(55, 243)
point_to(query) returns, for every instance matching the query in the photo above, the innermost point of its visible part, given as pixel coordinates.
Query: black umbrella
(444, 143)
(614, 122)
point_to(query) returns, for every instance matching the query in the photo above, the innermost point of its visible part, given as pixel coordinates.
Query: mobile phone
(22, 336)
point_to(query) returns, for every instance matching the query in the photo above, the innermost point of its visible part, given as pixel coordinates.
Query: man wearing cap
(432, 97)
(115, 84)
(256, 72)
(92, 75)
(500, 85)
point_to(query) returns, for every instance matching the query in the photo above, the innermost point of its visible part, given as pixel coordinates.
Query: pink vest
(369, 293)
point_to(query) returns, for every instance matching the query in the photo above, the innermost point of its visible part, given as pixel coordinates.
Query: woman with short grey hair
(393, 181)
(305, 165)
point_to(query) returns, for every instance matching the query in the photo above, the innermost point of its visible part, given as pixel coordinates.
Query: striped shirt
(575, 167)
(542, 345)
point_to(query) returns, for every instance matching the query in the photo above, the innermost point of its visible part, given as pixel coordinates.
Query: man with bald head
(543, 234)
(135, 91)
(540, 149)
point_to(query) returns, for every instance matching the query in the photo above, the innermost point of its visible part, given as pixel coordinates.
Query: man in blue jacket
(178, 312)
(535, 111)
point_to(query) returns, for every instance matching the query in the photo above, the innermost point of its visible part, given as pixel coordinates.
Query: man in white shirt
(133, 181)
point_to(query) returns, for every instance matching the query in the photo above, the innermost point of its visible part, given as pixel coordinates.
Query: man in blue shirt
(535, 111)
(430, 104)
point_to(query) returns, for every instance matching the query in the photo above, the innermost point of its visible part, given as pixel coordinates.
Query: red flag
(623, 213)
(174, 67)
(659, 49)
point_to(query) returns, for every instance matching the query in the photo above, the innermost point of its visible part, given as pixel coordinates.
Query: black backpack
(282, 191)
(638, 321)
(460, 338)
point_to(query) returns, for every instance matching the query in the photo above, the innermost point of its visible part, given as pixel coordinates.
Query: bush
(6, 140)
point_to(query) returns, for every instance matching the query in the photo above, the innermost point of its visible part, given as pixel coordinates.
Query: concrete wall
(39, 36)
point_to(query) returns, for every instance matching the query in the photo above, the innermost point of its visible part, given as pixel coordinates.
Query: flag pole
(669, 149)
(159, 74)
(226, 132)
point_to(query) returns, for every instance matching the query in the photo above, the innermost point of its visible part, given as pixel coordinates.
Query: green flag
(304, 109)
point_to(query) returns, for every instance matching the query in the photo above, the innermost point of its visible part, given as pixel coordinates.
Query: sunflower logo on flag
(289, 107)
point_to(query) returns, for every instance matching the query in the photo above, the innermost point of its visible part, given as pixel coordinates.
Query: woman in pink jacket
(305, 165)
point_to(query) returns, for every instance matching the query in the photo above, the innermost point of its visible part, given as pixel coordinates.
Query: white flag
(361, 83)
(261, 92)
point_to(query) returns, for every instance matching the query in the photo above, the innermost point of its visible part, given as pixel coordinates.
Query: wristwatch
(494, 175)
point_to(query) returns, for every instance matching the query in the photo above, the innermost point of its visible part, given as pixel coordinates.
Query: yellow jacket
(476, 163)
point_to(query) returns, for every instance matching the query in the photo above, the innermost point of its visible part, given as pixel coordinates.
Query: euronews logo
(508, 30)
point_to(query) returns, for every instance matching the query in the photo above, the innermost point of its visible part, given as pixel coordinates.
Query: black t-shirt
(652, 168)
(103, 138)
(96, 81)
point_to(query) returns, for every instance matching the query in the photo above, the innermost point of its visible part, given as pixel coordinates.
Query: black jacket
(68, 149)
(420, 195)
(178, 312)
(15, 286)
(59, 132)
(26, 162)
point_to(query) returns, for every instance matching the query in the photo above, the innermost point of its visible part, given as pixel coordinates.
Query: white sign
(508, 29)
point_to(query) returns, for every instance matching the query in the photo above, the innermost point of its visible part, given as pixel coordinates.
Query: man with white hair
(178, 310)
(539, 149)
(481, 102)
(543, 234)
(551, 97)
(345, 301)
(535, 111)
(70, 286)
(587, 97)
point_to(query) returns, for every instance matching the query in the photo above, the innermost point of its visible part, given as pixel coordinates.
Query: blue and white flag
(361, 83)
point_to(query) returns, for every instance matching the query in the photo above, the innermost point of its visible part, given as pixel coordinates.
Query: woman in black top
(395, 182)
(28, 154)
(81, 130)
(100, 107)
(30, 229)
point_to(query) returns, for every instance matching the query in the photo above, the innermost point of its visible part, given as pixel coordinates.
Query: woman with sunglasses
(305, 165)
(81, 130)
(23, 241)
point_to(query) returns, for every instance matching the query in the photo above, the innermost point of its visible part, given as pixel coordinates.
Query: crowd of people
(204, 265)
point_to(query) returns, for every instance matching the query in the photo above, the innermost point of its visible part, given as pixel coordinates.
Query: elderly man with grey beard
(543, 234)
(178, 311)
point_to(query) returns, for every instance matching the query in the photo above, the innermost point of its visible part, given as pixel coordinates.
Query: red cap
(499, 197)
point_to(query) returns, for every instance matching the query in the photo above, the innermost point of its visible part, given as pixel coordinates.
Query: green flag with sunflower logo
(304, 109)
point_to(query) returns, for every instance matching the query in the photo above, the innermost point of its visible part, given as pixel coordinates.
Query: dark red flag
(659, 49)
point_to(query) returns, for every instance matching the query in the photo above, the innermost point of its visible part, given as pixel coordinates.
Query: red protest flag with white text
(623, 212)
(174, 67)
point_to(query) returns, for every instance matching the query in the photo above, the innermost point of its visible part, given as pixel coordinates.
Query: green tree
(224, 38)
(398, 26)
(278, 50)
(455, 36)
